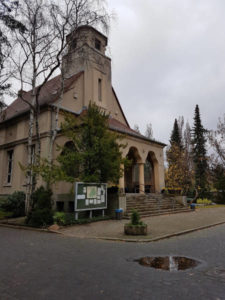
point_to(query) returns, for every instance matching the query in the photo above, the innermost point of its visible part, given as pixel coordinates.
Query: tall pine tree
(175, 135)
(199, 153)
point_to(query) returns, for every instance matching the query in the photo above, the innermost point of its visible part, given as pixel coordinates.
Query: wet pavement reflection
(168, 263)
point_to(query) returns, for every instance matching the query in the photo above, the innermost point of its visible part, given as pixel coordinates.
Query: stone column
(121, 181)
(141, 178)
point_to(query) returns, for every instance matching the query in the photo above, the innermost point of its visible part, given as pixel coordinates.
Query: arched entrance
(149, 175)
(131, 173)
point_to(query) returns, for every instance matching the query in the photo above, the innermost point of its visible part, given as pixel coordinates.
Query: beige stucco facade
(92, 84)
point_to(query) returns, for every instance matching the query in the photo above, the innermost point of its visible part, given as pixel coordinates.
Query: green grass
(4, 215)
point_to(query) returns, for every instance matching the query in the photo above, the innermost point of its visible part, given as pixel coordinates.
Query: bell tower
(86, 52)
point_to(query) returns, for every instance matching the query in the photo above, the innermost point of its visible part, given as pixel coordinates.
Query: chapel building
(87, 73)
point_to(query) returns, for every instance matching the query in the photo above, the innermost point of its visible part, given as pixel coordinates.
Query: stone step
(158, 205)
(166, 212)
(155, 209)
(153, 204)
(161, 212)
(150, 200)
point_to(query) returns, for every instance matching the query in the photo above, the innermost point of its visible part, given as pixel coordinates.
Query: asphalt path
(36, 265)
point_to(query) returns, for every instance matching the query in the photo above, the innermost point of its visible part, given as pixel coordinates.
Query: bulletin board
(90, 196)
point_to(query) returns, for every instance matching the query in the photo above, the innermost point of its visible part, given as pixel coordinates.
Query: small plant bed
(67, 219)
(136, 226)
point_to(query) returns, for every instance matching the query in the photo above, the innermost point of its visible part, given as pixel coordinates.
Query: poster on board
(90, 196)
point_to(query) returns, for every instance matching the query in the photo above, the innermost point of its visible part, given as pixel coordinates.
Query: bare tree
(217, 141)
(136, 128)
(149, 131)
(38, 55)
(8, 23)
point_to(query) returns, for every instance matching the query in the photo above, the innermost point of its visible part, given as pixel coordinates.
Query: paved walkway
(158, 226)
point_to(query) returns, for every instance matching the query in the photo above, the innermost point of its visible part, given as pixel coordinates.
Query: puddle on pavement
(168, 263)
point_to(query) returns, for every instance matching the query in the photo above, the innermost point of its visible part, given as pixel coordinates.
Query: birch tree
(38, 56)
(8, 23)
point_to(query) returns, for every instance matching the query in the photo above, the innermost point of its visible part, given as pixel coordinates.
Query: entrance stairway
(153, 205)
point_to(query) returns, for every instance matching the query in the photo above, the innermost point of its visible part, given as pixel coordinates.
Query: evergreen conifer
(175, 135)
(199, 153)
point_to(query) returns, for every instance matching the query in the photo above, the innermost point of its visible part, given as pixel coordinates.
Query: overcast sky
(168, 56)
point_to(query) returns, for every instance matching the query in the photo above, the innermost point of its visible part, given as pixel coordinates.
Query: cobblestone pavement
(38, 265)
(157, 226)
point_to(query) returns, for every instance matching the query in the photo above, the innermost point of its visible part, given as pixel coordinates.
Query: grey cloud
(167, 57)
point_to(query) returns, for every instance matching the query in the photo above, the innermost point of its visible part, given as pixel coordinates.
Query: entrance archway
(131, 173)
(149, 175)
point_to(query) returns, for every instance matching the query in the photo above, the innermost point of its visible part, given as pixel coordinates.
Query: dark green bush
(135, 218)
(41, 198)
(41, 218)
(64, 219)
(15, 204)
(41, 213)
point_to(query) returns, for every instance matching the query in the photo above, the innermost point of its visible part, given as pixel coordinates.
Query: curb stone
(158, 238)
(29, 228)
(162, 237)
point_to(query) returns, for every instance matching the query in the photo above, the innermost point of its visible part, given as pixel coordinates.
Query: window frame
(99, 89)
(98, 44)
(9, 174)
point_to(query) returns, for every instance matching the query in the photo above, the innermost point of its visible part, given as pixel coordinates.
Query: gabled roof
(118, 102)
(49, 93)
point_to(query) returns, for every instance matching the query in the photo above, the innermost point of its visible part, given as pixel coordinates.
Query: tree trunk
(29, 160)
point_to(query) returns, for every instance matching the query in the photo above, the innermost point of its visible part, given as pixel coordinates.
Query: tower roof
(90, 28)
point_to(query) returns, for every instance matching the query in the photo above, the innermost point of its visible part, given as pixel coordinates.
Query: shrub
(64, 219)
(204, 201)
(61, 218)
(41, 213)
(41, 198)
(14, 204)
(41, 217)
(135, 218)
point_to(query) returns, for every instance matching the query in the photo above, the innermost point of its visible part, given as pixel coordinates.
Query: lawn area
(4, 215)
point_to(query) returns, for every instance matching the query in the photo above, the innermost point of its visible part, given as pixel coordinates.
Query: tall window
(10, 166)
(99, 89)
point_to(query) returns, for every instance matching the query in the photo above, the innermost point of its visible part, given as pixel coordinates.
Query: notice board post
(89, 197)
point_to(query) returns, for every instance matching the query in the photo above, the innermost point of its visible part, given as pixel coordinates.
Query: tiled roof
(49, 93)
(122, 128)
